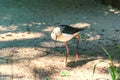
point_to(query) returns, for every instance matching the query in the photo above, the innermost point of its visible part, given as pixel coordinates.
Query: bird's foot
(76, 58)
(66, 68)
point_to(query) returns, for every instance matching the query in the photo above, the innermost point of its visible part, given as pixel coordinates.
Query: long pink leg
(67, 51)
(76, 55)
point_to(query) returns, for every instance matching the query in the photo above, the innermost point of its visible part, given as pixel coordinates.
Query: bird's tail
(79, 28)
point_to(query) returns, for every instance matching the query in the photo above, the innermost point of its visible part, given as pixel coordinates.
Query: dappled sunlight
(112, 10)
(48, 62)
(22, 53)
(12, 32)
(51, 44)
(33, 23)
(39, 23)
(92, 38)
(48, 29)
(30, 52)
(50, 66)
(6, 69)
(20, 35)
(24, 68)
(27, 51)
(6, 18)
(81, 25)
(16, 71)
(91, 35)
(4, 29)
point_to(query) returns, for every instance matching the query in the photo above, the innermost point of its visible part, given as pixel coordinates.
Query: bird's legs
(67, 51)
(76, 55)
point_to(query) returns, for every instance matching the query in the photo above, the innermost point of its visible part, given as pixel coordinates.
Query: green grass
(48, 78)
(65, 73)
(113, 71)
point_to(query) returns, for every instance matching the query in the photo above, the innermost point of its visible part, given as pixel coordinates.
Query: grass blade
(96, 66)
(111, 73)
(111, 69)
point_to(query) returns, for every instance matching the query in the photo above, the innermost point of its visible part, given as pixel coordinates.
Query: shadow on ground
(25, 28)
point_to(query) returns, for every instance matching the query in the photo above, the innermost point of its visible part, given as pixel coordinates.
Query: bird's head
(55, 33)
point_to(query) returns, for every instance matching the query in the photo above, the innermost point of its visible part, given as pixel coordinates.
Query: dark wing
(70, 30)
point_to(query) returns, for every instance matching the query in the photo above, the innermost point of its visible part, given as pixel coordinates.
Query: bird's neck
(58, 34)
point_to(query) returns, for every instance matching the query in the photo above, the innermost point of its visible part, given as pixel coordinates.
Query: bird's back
(70, 30)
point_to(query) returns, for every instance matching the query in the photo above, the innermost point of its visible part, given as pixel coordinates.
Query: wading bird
(64, 33)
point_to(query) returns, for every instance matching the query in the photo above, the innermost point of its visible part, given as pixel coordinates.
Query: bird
(65, 33)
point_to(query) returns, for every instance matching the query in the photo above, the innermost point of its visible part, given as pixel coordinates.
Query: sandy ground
(28, 53)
